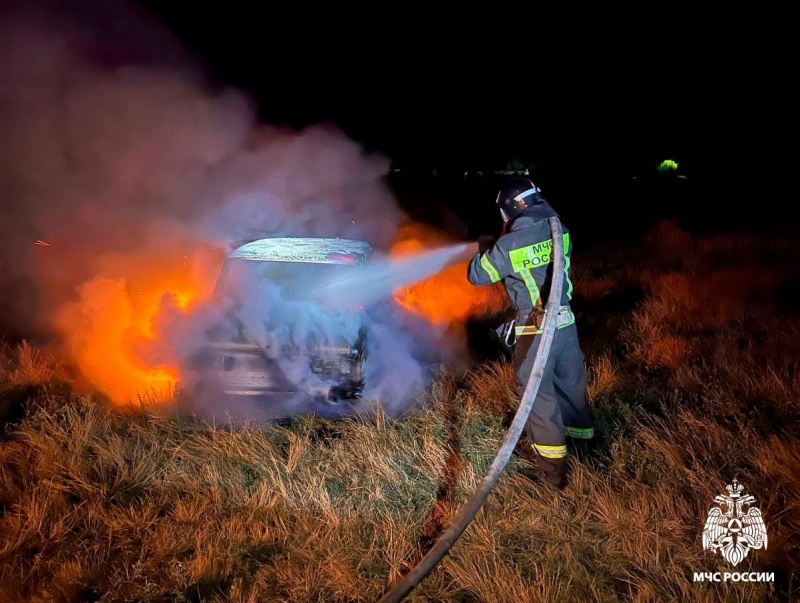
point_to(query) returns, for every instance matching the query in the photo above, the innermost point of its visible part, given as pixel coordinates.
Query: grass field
(693, 350)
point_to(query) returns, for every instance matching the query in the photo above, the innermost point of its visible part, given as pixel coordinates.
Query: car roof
(307, 250)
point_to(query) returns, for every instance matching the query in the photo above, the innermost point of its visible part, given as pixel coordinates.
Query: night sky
(591, 101)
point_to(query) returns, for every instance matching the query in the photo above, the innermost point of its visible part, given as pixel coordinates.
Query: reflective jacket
(522, 259)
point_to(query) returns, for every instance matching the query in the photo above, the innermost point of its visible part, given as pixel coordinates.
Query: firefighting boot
(551, 472)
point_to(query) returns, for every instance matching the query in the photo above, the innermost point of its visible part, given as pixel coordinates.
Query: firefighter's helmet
(516, 196)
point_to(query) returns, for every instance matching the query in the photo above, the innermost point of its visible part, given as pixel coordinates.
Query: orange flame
(448, 297)
(116, 315)
(119, 312)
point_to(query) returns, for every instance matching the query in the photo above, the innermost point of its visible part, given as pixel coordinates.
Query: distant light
(42, 243)
(668, 165)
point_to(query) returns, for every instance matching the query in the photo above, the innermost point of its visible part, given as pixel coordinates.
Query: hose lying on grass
(443, 544)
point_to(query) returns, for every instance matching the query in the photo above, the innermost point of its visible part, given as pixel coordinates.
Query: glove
(485, 243)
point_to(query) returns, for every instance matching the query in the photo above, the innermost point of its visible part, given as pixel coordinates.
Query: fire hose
(448, 538)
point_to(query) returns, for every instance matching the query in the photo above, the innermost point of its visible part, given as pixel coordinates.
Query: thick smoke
(124, 175)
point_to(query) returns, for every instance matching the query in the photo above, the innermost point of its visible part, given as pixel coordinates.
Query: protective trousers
(561, 406)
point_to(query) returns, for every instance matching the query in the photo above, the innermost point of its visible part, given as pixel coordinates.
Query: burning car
(281, 345)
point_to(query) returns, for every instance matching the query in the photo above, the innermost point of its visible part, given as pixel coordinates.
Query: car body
(275, 349)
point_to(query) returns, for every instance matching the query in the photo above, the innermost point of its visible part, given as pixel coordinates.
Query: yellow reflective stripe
(490, 270)
(566, 276)
(551, 452)
(530, 283)
(567, 265)
(585, 433)
(561, 324)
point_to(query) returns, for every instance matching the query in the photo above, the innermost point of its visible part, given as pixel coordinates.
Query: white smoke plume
(118, 159)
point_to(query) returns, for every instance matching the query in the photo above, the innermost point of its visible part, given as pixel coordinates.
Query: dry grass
(694, 382)
(25, 365)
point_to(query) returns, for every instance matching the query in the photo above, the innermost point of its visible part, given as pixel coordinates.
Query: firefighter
(522, 259)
